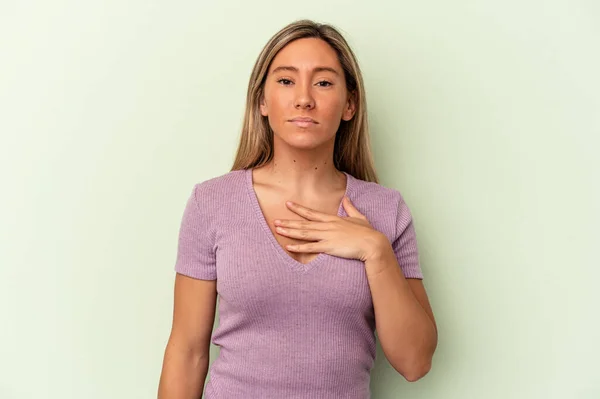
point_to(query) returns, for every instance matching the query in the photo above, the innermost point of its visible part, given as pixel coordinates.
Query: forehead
(307, 53)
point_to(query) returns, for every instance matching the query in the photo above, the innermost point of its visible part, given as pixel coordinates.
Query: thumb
(351, 209)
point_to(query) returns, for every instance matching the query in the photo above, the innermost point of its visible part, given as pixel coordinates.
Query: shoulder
(216, 195)
(387, 198)
(219, 187)
(381, 205)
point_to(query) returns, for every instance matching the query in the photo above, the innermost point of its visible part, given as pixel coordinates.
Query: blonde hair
(352, 150)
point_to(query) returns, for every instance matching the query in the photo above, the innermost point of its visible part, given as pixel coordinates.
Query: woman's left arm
(404, 320)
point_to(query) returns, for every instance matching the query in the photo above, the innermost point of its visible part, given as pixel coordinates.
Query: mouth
(303, 121)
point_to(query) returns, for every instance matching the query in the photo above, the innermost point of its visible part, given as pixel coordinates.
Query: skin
(306, 79)
(302, 174)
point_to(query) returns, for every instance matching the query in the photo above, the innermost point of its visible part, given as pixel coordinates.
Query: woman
(303, 285)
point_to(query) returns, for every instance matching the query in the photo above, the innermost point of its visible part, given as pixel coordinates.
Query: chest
(255, 277)
(272, 207)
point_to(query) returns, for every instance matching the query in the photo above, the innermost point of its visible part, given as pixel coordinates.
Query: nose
(304, 98)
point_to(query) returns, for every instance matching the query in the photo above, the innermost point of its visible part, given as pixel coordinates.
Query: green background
(484, 114)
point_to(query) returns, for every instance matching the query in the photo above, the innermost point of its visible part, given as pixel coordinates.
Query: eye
(326, 83)
(285, 82)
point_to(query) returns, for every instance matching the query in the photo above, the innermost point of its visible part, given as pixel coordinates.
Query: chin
(307, 144)
(304, 145)
(302, 138)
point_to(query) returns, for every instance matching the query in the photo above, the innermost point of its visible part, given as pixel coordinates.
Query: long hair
(352, 149)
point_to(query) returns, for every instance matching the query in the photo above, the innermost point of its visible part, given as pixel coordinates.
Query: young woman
(308, 254)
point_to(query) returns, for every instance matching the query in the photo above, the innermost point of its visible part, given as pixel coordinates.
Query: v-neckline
(293, 263)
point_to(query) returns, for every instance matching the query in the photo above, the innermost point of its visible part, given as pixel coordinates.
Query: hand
(350, 237)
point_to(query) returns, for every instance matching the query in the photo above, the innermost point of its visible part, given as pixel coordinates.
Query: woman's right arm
(186, 358)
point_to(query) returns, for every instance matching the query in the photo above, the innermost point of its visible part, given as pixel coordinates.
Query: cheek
(332, 108)
(278, 104)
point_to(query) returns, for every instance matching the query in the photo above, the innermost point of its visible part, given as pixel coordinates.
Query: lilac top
(287, 329)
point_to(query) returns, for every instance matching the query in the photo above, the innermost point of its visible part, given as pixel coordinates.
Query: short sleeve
(405, 242)
(195, 249)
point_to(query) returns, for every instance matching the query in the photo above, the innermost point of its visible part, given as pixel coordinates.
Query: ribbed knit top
(286, 329)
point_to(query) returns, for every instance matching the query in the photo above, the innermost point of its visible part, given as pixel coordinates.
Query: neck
(303, 171)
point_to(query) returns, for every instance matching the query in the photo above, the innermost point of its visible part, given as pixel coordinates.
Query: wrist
(378, 248)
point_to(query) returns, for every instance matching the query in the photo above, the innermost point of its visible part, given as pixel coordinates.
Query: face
(305, 94)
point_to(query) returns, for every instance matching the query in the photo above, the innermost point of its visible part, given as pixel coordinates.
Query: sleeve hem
(413, 275)
(193, 272)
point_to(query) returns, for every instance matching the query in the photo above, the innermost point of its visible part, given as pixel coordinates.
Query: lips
(304, 121)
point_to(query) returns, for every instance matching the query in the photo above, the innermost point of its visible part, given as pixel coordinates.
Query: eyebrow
(294, 69)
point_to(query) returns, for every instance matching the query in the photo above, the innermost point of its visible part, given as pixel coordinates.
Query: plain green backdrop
(484, 114)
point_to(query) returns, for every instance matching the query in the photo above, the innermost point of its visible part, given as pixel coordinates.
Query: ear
(263, 106)
(350, 107)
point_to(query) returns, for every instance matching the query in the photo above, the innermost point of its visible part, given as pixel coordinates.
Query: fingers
(309, 213)
(313, 247)
(301, 224)
(301, 234)
(351, 209)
